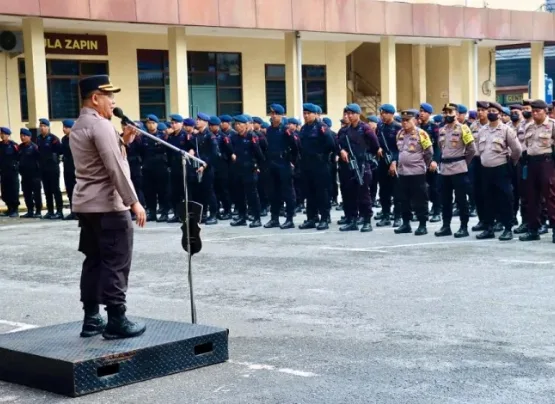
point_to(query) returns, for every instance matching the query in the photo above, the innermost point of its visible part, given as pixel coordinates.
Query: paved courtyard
(314, 317)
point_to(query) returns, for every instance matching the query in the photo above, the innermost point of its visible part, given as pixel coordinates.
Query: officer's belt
(453, 159)
(540, 157)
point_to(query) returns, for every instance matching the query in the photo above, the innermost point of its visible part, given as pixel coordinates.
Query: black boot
(366, 226)
(288, 224)
(523, 228)
(498, 227)
(211, 220)
(349, 225)
(421, 230)
(255, 223)
(435, 218)
(531, 235)
(163, 218)
(507, 234)
(272, 223)
(543, 229)
(119, 326)
(404, 228)
(444, 231)
(308, 224)
(28, 215)
(385, 221)
(397, 222)
(323, 225)
(93, 323)
(344, 220)
(240, 221)
(462, 232)
(486, 234)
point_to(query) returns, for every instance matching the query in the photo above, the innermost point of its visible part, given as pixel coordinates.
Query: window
(314, 86)
(153, 70)
(215, 83)
(64, 100)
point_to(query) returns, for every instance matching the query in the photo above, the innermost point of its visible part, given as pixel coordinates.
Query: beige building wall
(122, 48)
(533, 5)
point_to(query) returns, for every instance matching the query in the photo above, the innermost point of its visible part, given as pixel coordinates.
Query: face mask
(527, 114)
(449, 118)
(492, 116)
(515, 117)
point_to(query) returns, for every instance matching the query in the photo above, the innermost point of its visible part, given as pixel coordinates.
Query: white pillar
(537, 70)
(293, 76)
(419, 93)
(469, 73)
(179, 74)
(388, 71)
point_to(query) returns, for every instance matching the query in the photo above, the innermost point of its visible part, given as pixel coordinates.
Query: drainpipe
(300, 71)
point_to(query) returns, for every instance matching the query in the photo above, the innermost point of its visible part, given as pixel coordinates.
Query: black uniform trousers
(137, 179)
(334, 186)
(358, 201)
(244, 189)
(457, 183)
(413, 195)
(177, 186)
(263, 186)
(541, 191)
(221, 186)
(298, 185)
(497, 183)
(522, 191)
(9, 187)
(388, 189)
(51, 184)
(203, 192)
(281, 186)
(516, 192)
(316, 179)
(106, 240)
(30, 184)
(374, 184)
(69, 182)
(155, 182)
(475, 182)
(432, 179)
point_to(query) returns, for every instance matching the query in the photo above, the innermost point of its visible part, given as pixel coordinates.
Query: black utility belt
(541, 157)
(453, 159)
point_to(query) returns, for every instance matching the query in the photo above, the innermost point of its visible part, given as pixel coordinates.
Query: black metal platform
(56, 359)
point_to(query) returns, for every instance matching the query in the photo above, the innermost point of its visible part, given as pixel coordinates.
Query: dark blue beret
(5, 131)
(293, 121)
(176, 118)
(258, 120)
(100, 82)
(241, 119)
(310, 108)
(203, 117)
(506, 111)
(438, 119)
(265, 125)
(68, 123)
(278, 109)
(318, 109)
(472, 114)
(139, 124)
(152, 118)
(398, 118)
(25, 132)
(387, 108)
(214, 120)
(226, 118)
(462, 109)
(373, 118)
(44, 121)
(427, 108)
(189, 122)
(327, 121)
(354, 108)
(162, 127)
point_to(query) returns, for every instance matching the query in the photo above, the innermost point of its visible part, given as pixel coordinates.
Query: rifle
(353, 164)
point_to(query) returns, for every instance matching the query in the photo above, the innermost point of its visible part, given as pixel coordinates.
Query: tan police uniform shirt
(538, 139)
(520, 129)
(497, 144)
(415, 152)
(101, 167)
(456, 142)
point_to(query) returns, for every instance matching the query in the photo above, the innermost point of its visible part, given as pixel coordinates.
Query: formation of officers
(491, 163)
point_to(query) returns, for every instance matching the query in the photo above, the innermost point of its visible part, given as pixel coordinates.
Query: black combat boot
(507, 235)
(421, 230)
(119, 326)
(93, 323)
(274, 222)
(486, 234)
(498, 227)
(350, 225)
(531, 235)
(173, 219)
(58, 216)
(211, 220)
(308, 224)
(404, 228)
(543, 229)
(396, 222)
(366, 225)
(379, 216)
(444, 231)
(163, 218)
(462, 232)
(288, 224)
(344, 220)
(385, 221)
(239, 221)
(323, 225)
(523, 228)
(479, 227)
(255, 223)
(28, 215)
(435, 218)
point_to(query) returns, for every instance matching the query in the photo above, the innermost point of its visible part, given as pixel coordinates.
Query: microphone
(125, 120)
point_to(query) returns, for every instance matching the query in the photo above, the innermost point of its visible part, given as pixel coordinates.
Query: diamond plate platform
(56, 359)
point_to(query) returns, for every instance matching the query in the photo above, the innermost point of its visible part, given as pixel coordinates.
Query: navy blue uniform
(317, 145)
(432, 178)
(206, 148)
(248, 157)
(135, 159)
(282, 153)
(69, 169)
(9, 174)
(156, 176)
(359, 142)
(29, 169)
(263, 178)
(177, 183)
(387, 135)
(221, 179)
(50, 149)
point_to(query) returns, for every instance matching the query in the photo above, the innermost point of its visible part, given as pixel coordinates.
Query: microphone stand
(185, 157)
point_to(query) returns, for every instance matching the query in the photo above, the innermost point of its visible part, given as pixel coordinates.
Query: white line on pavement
(19, 326)
(384, 247)
(257, 366)
(526, 262)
